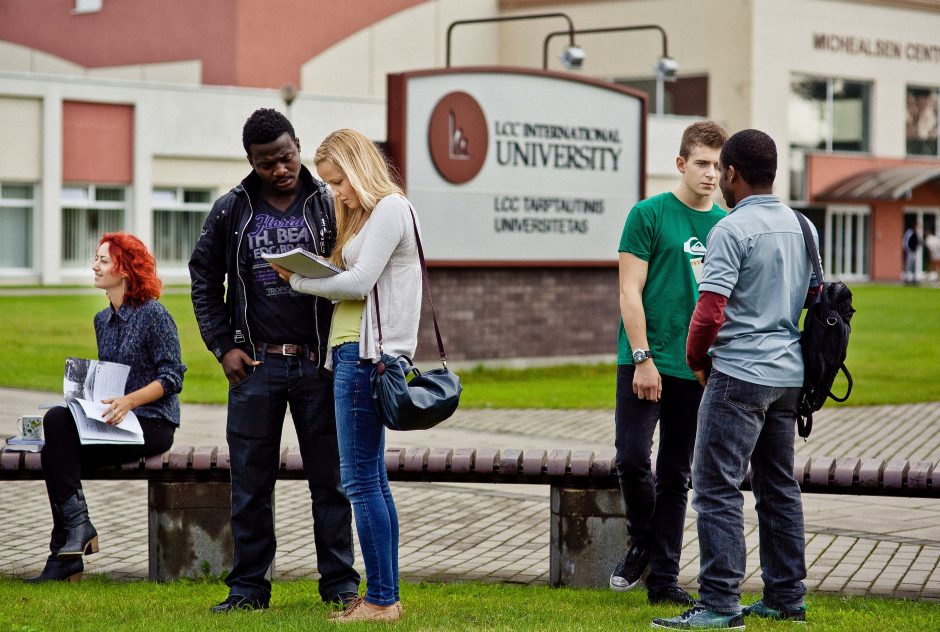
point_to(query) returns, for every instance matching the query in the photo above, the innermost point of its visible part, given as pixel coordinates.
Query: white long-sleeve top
(384, 252)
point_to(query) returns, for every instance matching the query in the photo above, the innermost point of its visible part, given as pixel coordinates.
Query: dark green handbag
(428, 398)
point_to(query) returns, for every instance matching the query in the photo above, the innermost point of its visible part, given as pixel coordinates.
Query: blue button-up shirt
(757, 258)
(145, 338)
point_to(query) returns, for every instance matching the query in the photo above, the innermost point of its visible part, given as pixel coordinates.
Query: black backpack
(824, 340)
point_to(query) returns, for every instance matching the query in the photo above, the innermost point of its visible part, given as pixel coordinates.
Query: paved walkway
(499, 533)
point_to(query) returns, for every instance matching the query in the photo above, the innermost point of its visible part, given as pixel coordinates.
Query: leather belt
(300, 351)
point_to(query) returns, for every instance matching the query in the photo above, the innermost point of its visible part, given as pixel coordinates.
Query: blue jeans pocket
(747, 396)
(251, 371)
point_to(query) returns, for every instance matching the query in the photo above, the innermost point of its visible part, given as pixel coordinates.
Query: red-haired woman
(136, 330)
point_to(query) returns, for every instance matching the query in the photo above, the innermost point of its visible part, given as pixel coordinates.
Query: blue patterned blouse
(144, 337)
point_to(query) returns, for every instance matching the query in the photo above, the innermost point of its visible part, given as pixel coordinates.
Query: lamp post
(574, 54)
(288, 94)
(666, 67)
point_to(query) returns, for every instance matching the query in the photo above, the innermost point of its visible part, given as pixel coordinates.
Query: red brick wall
(487, 313)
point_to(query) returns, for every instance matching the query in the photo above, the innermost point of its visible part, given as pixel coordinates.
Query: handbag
(426, 399)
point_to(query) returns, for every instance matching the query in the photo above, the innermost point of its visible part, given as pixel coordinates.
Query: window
(829, 114)
(17, 207)
(686, 96)
(178, 216)
(846, 243)
(825, 115)
(87, 6)
(88, 212)
(923, 109)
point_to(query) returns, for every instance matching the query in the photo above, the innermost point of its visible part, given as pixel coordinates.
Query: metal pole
(508, 18)
(610, 29)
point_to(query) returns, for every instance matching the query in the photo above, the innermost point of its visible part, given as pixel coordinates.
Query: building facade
(127, 115)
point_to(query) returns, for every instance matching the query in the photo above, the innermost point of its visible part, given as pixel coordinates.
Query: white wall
(412, 39)
(185, 132)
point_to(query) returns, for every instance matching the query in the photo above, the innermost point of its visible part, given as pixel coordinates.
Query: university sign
(517, 166)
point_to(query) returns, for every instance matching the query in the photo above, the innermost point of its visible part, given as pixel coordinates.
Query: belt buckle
(290, 350)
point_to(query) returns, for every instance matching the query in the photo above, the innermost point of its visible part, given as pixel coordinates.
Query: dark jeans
(256, 408)
(64, 457)
(740, 421)
(656, 508)
(362, 459)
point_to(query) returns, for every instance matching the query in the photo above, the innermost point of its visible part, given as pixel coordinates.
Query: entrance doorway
(847, 243)
(929, 218)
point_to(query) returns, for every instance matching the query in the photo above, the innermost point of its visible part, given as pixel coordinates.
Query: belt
(301, 351)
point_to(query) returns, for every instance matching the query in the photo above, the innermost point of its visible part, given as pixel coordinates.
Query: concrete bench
(189, 497)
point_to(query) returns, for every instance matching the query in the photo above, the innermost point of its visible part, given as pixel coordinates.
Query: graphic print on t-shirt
(272, 233)
(693, 246)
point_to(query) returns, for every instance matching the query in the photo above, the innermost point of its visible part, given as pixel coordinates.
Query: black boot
(69, 570)
(81, 537)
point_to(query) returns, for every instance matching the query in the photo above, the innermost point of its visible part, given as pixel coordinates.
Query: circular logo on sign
(457, 137)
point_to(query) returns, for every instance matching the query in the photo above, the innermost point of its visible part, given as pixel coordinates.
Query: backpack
(824, 340)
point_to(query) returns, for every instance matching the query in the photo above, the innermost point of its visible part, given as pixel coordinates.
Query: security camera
(667, 67)
(573, 58)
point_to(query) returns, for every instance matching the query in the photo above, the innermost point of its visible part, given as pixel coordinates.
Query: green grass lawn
(893, 355)
(102, 605)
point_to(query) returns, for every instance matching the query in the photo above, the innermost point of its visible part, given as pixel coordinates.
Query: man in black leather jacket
(271, 342)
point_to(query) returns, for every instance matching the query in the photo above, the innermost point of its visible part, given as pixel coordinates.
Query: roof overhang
(887, 183)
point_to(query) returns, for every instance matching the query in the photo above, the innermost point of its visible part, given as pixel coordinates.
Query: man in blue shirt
(744, 345)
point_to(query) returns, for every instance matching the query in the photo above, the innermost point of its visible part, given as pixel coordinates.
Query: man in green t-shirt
(661, 253)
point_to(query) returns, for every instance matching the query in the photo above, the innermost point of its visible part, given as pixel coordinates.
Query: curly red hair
(134, 262)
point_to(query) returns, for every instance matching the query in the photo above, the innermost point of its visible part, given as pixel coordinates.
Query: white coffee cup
(30, 426)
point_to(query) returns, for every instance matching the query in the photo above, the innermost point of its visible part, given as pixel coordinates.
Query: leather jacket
(218, 268)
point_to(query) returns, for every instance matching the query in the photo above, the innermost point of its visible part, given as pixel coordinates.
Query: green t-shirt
(670, 237)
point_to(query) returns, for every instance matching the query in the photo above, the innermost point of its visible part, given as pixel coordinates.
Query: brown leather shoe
(361, 610)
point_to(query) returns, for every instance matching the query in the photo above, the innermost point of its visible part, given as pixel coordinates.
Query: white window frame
(89, 203)
(936, 91)
(178, 205)
(33, 204)
(922, 256)
(847, 263)
(87, 6)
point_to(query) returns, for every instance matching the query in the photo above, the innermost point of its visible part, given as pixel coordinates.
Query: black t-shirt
(276, 313)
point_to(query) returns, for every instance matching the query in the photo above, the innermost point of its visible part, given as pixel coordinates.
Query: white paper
(85, 384)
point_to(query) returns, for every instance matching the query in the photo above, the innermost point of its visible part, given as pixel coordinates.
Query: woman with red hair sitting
(136, 330)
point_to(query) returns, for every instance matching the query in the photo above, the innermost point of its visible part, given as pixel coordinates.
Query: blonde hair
(368, 174)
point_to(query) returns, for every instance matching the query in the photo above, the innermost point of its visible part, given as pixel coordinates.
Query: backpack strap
(804, 416)
(810, 247)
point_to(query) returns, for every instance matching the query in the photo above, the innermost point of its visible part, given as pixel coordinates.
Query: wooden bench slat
(821, 469)
(533, 462)
(439, 460)
(845, 471)
(510, 461)
(895, 474)
(463, 460)
(558, 462)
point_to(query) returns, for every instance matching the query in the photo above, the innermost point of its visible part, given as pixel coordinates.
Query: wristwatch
(641, 355)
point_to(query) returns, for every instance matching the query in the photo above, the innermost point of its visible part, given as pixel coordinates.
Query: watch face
(638, 356)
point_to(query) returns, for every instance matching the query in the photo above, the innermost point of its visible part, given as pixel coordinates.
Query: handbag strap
(427, 287)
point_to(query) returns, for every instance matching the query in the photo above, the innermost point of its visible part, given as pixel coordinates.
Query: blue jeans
(740, 421)
(656, 507)
(256, 408)
(362, 469)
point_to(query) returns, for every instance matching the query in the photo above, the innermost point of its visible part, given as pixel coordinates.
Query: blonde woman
(376, 246)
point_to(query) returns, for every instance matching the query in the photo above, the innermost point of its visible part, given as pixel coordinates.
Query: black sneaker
(630, 569)
(670, 594)
(239, 602)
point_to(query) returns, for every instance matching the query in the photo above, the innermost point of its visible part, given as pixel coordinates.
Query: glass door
(847, 243)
